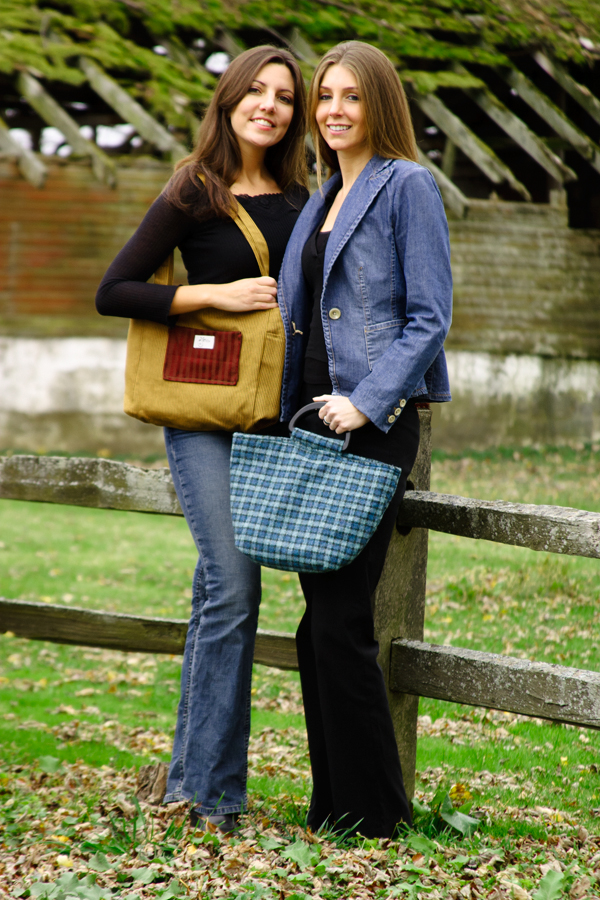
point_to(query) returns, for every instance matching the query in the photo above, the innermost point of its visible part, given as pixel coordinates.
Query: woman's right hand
(245, 295)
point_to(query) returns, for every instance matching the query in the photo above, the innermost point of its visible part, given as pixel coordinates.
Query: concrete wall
(518, 400)
(67, 394)
(524, 349)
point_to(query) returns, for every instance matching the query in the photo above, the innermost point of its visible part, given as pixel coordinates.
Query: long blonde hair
(388, 123)
(216, 154)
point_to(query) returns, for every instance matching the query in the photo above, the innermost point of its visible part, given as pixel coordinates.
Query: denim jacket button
(335, 313)
(402, 403)
(391, 419)
(397, 411)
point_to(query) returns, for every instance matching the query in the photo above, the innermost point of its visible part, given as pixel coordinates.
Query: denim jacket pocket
(381, 336)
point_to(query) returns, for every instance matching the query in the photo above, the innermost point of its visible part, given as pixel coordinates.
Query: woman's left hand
(340, 414)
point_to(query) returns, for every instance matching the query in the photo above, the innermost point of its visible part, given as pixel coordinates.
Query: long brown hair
(388, 123)
(217, 156)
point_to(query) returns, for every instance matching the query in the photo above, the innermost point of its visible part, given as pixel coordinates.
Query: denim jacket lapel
(362, 193)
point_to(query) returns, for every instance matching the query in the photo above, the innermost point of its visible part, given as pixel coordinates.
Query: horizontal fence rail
(557, 529)
(454, 674)
(106, 484)
(114, 631)
(97, 483)
(494, 681)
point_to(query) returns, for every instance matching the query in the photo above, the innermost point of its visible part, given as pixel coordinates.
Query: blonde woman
(366, 290)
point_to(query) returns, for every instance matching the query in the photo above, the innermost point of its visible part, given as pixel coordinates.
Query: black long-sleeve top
(214, 251)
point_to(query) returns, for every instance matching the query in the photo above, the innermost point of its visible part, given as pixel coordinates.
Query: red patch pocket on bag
(202, 357)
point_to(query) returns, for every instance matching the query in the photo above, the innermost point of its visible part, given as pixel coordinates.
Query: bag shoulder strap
(250, 230)
(164, 273)
(254, 236)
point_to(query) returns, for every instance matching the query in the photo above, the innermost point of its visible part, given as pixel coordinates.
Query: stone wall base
(66, 394)
(518, 400)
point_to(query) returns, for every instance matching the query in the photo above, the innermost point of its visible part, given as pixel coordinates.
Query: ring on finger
(327, 421)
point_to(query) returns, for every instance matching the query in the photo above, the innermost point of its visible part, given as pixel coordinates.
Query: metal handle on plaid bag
(309, 408)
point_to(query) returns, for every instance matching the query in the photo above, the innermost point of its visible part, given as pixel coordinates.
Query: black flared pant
(357, 778)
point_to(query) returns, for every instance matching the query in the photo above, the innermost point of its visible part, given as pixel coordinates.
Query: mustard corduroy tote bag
(213, 370)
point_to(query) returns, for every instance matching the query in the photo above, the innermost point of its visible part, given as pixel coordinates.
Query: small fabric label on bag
(204, 342)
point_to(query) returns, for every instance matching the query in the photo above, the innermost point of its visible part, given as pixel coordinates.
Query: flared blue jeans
(210, 749)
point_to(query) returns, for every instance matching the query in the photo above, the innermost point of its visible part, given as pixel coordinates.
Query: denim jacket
(387, 292)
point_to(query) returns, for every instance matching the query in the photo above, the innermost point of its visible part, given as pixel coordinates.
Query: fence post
(399, 608)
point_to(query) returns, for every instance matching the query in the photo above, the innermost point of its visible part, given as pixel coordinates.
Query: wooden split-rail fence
(412, 668)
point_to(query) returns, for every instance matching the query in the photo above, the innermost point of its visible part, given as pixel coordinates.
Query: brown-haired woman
(366, 278)
(250, 150)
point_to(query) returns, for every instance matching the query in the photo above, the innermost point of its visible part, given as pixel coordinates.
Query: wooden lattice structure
(504, 92)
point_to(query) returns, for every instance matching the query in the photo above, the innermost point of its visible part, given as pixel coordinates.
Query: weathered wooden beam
(555, 529)
(142, 634)
(131, 111)
(106, 484)
(472, 146)
(52, 112)
(449, 158)
(545, 691)
(579, 92)
(302, 49)
(276, 649)
(552, 115)
(452, 195)
(186, 58)
(518, 131)
(454, 674)
(399, 609)
(100, 483)
(229, 42)
(31, 168)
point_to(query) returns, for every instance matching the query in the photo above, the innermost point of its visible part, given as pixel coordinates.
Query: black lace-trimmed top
(214, 251)
(316, 366)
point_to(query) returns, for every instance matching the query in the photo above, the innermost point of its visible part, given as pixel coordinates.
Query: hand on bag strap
(309, 408)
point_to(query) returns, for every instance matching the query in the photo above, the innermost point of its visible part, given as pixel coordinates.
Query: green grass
(481, 595)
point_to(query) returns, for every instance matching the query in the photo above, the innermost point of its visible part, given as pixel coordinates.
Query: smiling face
(340, 112)
(262, 118)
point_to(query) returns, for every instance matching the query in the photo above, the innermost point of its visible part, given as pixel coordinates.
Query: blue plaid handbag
(302, 503)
